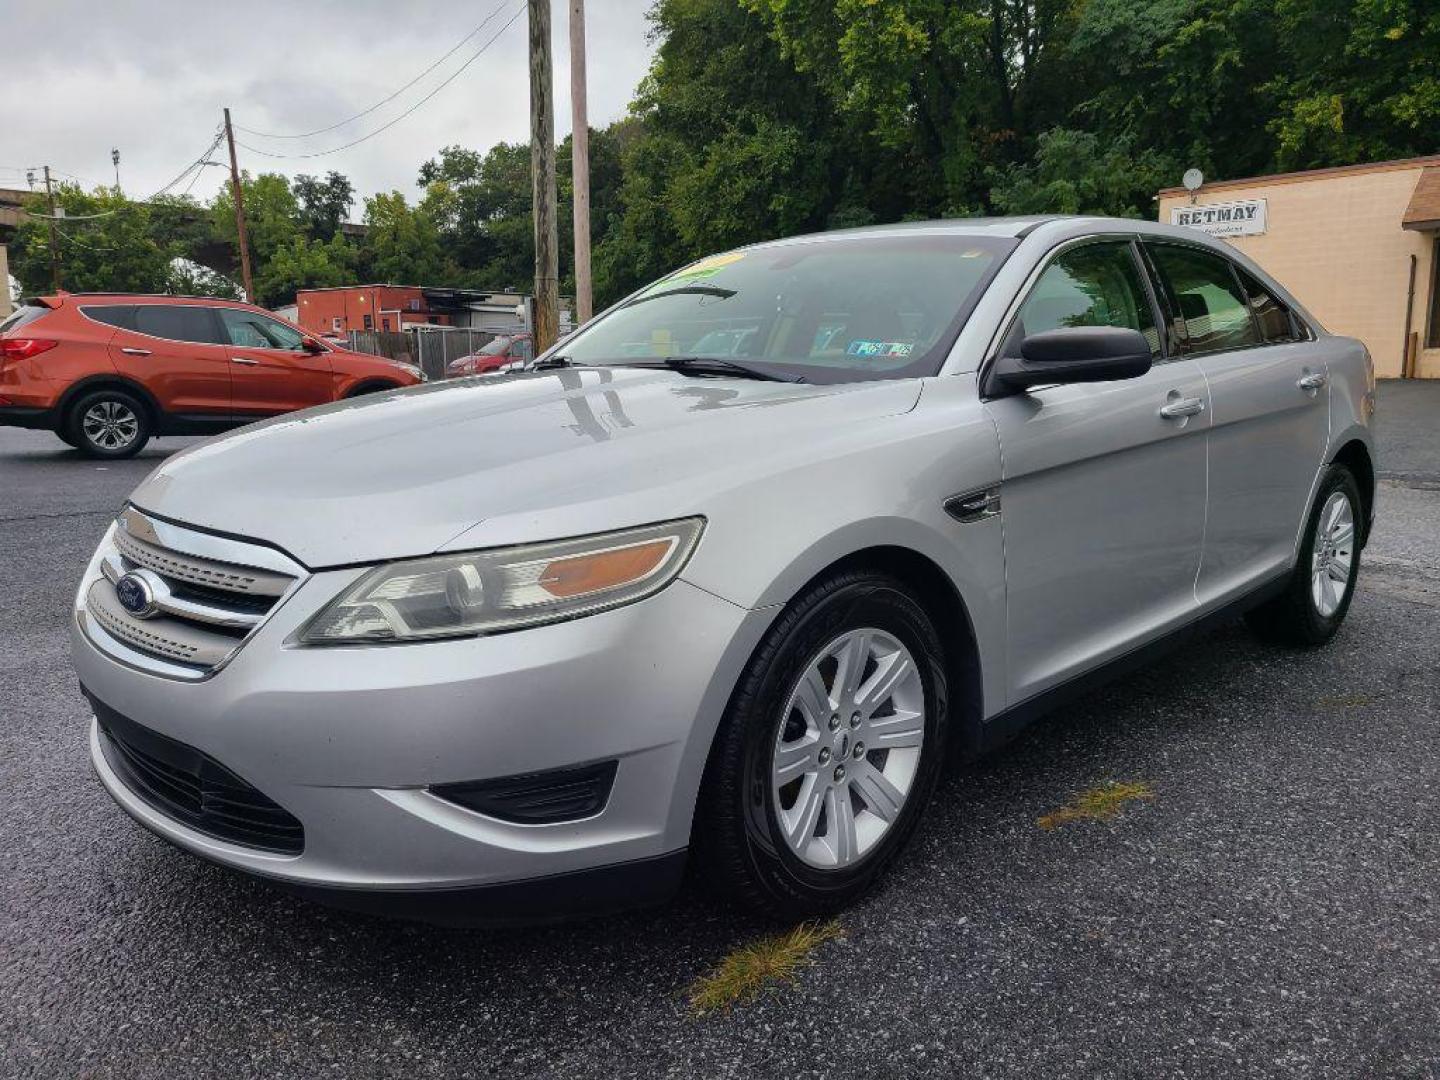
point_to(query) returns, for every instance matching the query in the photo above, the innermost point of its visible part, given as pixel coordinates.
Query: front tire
(1314, 603)
(108, 424)
(829, 751)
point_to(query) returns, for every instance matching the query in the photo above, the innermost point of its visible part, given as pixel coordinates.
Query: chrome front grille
(194, 598)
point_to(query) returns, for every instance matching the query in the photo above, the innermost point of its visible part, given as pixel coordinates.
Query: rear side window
(25, 313)
(121, 315)
(1091, 285)
(176, 322)
(1215, 313)
(1275, 320)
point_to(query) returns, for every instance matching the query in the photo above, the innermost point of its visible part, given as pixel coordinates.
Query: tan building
(1358, 245)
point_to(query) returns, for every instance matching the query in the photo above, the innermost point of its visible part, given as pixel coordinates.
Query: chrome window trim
(152, 337)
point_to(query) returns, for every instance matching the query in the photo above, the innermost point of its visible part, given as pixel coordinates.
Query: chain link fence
(431, 348)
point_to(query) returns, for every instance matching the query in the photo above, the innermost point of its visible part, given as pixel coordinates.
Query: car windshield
(839, 309)
(495, 348)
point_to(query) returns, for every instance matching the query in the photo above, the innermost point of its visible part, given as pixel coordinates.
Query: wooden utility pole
(542, 179)
(580, 163)
(54, 245)
(239, 196)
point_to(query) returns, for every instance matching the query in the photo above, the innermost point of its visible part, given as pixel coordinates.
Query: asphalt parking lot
(1273, 910)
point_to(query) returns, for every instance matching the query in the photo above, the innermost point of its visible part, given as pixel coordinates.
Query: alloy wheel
(848, 748)
(110, 425)
(1334, 554)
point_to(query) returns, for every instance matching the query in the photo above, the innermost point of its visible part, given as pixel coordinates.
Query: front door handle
(1312, 382)
(128, 351)
(1184, 407)
(244, 360)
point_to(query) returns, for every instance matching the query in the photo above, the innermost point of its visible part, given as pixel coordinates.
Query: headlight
(413, 369)
(482, 592)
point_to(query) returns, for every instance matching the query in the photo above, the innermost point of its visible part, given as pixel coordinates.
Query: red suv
(106, 372)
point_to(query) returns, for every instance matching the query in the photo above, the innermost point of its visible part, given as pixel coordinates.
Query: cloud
(151, 78)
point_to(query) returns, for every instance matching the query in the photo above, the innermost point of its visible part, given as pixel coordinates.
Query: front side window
(1215, 313)
(251, 330)
(841, 309)
(1271, 315)
(1091, 285)
(177, 322)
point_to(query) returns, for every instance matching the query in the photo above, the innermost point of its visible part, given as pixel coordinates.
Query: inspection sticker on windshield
(861, 347)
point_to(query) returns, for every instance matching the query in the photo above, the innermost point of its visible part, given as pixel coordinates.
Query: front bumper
(349, 739)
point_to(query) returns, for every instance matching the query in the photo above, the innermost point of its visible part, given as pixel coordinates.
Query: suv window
(1215, 313)
(251, 330)
(25, 313)
(176, 322)
(121, 315)
(1274, 319)
(1091, 285)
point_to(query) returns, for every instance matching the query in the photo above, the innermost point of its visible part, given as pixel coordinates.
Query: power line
(384, 101)
(195, 166)
(385, 127)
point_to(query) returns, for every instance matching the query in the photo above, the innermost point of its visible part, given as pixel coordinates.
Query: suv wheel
(109, 424)
(1318, 595)
(829, 751)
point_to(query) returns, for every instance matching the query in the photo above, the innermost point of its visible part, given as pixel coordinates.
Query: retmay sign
(1245, 218)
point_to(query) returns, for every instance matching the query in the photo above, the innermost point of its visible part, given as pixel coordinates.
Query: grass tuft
(1098, 804)
(749, 969)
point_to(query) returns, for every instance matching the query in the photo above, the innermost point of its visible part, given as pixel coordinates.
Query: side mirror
(311, 346)
(1072, 354)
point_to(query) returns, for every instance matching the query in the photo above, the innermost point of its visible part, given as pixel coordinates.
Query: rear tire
(777, 826)
(108, 424)
(63, 434)
(1314, 603)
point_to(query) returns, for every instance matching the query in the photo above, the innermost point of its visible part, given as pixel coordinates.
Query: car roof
(52, 299)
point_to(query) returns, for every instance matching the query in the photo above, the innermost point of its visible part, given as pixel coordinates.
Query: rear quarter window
(121, 315)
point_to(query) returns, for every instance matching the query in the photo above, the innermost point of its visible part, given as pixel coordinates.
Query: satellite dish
(1192, 179)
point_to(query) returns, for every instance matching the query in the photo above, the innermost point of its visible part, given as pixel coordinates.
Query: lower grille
(193, 788)
(537, 798)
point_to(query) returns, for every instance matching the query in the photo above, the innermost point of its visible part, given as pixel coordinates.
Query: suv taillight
(24, 348)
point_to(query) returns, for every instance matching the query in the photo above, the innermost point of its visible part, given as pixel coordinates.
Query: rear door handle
(244, 360)
(128, 351)
(1184, 407)
(1312, 382)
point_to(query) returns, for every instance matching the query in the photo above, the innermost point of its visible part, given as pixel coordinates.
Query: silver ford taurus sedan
(726, 576)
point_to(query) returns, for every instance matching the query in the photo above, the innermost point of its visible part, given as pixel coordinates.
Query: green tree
(106, 244)
(323, 204)
(402, 243)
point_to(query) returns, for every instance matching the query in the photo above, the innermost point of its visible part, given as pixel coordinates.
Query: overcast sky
(150, 78)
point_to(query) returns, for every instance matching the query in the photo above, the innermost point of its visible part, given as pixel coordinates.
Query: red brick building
(366, 307)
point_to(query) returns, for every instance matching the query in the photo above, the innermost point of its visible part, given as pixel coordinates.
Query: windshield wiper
(684, 290)
(552, 362)
(713, 364)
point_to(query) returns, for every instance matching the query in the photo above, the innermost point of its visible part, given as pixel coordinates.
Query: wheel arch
(369, 386)
(938, 594)
(1355, 456)
(109, 382)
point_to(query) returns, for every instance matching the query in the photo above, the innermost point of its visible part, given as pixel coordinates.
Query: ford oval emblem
(135, 596)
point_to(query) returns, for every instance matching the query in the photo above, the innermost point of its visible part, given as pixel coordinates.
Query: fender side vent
(536, 798)
(974, 505)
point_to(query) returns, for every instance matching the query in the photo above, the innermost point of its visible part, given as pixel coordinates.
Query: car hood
(409, 472)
